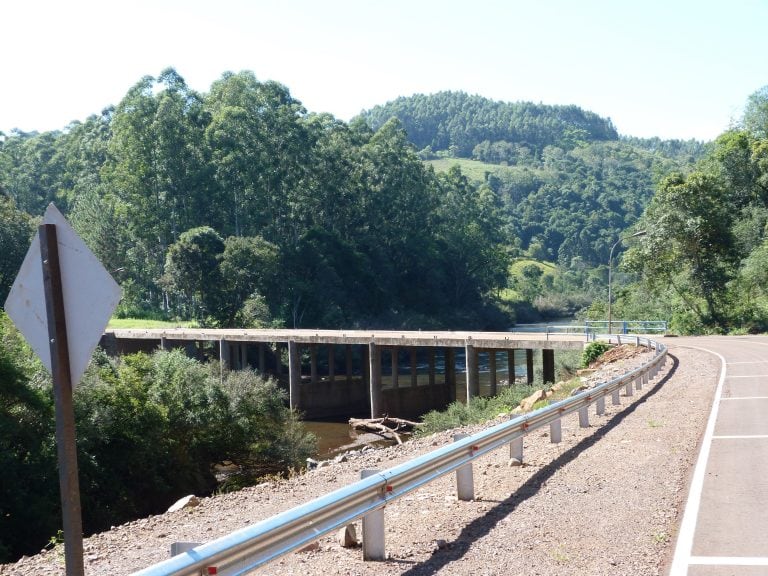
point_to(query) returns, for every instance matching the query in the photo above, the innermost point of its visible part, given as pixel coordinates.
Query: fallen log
(385, 426)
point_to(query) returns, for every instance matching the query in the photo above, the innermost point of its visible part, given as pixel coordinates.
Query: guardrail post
(556, 431)
(373, 529)
(628, 388)
(639, 381)
(600, 406)
(615, 398)
(584, 417)
(465, 481)
(516, 449)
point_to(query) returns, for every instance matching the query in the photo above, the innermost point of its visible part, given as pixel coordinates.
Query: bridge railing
(260, 543)
(595, 327)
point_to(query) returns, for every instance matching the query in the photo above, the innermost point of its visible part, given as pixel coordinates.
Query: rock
(528, 403)
(314, 546)
(347, 536)
(579, 389)
(187, 502)
(340, 458)
(312, 463)
(441, 544)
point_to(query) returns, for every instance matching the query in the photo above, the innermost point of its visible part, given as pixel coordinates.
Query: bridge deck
(481, 340)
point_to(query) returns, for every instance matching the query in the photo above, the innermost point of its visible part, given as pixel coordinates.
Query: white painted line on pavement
(752, 437)
(684, 545)
(729, 560)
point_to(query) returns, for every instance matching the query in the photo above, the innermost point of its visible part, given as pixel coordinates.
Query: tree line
(704, 260)
(238, 206)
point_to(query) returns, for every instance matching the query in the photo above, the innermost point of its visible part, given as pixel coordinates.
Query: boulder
(347, 536)
(187, 502)
(528, 403)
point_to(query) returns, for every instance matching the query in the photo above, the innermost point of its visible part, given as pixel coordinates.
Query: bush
(592, 352)
(150, 429)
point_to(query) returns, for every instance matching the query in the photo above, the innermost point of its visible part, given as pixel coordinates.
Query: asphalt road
(724, 529)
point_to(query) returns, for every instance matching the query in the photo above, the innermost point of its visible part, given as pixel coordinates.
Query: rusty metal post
(66, 445)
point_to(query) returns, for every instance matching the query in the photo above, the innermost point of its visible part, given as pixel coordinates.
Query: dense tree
(192, 272)
(16, 230)
(455, 119)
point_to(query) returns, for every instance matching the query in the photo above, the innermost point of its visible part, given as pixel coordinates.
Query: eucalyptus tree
(157, 171)
(259, 148)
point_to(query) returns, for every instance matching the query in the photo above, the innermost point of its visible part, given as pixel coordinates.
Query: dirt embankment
(605, 501)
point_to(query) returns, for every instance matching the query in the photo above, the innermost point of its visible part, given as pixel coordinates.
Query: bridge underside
(345, 373)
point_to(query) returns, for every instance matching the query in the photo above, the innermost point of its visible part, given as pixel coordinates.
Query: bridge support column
(511, 367)
(450, 373)
(473, 380)
(395, 367)
(548, 360)
(414, 367)
(377, 398)
(331, 363)
(348, 359)
(313, 363)
(262, 359)
(294, 374)
(492, 371)
(243, 355)
(224, 354)
(529, 365)
(431, 367)
(163, 343)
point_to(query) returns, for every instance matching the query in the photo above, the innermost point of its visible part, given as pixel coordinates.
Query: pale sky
(668, 68)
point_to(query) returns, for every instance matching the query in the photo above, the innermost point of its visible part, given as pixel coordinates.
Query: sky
(676, 69)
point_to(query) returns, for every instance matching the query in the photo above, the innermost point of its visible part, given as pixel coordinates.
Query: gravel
(605, 501)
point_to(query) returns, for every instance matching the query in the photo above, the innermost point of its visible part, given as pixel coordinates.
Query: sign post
(62, 307)
(62, 391)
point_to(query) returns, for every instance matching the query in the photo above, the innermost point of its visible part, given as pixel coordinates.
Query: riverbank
(603, 502)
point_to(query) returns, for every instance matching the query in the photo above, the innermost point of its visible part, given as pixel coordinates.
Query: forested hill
(460, 122)
(240, 207)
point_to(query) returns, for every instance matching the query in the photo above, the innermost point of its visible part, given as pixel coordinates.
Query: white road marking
(684, 546)
(752, 437)
(729, 560)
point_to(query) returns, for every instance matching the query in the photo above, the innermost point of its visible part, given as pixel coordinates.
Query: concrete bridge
(361, 386)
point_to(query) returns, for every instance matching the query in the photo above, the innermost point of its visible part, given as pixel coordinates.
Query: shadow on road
(484, 524)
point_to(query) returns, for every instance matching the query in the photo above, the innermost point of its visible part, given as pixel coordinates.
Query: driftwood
(386, 426)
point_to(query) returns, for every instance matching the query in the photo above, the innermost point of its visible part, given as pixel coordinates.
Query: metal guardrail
(260, 543)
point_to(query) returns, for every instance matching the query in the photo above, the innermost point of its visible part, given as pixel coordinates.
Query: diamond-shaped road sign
(90, 297)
